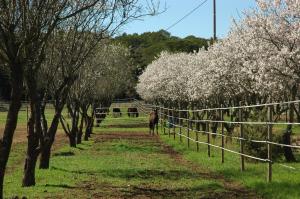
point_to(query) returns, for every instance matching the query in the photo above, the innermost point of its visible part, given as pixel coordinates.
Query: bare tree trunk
(48, 142)
(286, 138)
(34, 134)
(288, 153)
(11, 121)
(49, 134)
(79, 133)
(74, 130)
(89, 126)
(72, 139)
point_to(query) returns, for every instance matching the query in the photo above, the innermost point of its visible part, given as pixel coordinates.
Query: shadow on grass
(69, 153)
(150, 174)
(80, 148)
(119, 147)
(138, 125)
(64, 186)
(142, 174)
(211, 190)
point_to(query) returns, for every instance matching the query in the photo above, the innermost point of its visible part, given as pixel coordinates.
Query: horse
(117, 112)
(100, 114)
(153, 121)
(132, 112)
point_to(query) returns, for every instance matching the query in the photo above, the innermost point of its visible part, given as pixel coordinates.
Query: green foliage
(145, 47)
(260, 132)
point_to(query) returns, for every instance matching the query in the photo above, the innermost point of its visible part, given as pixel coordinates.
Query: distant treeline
(145, 47)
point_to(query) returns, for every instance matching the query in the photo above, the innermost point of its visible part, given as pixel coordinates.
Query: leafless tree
(107, 74)
(25, 29)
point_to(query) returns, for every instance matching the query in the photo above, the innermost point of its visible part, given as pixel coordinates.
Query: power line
(188, 14)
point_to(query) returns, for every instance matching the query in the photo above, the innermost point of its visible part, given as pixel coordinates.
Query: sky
(200, 23)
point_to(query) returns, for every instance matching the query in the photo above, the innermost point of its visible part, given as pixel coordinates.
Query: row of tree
(59, 50)
(258, 61)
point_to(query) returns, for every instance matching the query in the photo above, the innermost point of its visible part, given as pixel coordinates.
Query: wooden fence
(174, 121)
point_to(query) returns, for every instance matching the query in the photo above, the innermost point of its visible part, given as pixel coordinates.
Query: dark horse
(153, 121)
(132, 112)
(117, 112)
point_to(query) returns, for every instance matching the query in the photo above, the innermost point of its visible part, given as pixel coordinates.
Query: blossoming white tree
(259, 57)
(258, 61)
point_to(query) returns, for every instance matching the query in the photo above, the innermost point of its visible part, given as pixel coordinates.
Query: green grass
(116, 168)
(52, 180)
(125, 167)
(285, 181)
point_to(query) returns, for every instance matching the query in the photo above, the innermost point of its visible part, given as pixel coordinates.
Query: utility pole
(215, 21)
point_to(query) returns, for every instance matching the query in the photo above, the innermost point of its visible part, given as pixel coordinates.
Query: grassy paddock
(116, 165)
(113, 168)
(285, 181)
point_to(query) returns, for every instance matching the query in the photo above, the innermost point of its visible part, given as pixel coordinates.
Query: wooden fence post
(161, 118)
(169, 124)
(270, 119)
(173, 122)
(242, 137)
(180, 124)
(157, 128)
(164, 122)
(197, 138)
(188, 128)
(208, 133)
(222, 131)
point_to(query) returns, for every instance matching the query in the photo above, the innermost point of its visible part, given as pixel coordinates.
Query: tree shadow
(69, 153)
(64, 186)
(142, 173)
(80, 148)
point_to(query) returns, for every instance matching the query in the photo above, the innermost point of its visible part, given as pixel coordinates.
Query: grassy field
(123, 161)
(120, 163)
(285, 180)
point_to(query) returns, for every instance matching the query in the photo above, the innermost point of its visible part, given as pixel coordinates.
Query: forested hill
(145, 47)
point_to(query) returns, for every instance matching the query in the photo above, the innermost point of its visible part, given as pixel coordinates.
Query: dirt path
(19, 147)
(169, 176)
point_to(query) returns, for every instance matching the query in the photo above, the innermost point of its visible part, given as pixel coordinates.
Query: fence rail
(186, 122)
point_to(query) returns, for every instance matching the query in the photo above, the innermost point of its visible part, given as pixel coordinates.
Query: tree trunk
(31, 156)
(35, 138)
(11, 121)
(288, 153)
(79, 133)
(49, 140)
(89, 127)
(29, 169)
(45, 157)
(72, 139)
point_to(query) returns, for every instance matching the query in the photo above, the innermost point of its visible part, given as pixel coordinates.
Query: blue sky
(199, 23)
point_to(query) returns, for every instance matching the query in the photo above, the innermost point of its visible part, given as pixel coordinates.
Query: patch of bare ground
(20, 134)
(124, 136)
(139, 125)
(20, 138)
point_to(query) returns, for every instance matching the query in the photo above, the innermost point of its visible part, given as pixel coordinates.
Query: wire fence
(186, 123)
(178, 120)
